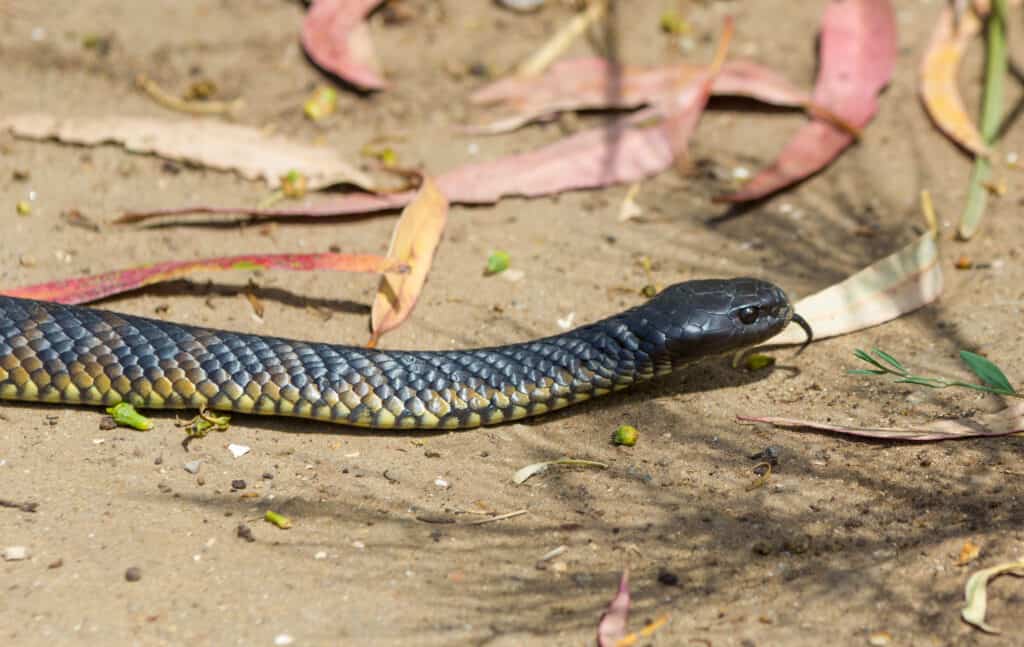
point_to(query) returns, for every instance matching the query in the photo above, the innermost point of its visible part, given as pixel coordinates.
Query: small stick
(168, 100)
(500, 517)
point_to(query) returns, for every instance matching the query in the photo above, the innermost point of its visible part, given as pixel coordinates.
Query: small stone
(238, 484)
(159, 460)
(238, 451)
(107, 423)
(15, 553)
(268, 475)
(668, 578)
(57, 563)
(761, 548)
(245, 532)
(283, 639)
(441, 483)
(879, 638)
(322, 554)
(133, 574)
(192, 467)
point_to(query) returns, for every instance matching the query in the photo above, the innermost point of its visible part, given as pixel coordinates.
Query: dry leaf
(612, 627)
(897, 284)
(858, 54)
(594, 83)
(968, 553)
(976, 595)
(91, 288)
(939, 69)
(230, 147)
(337, 38)
(414, 241)
(1008, 421)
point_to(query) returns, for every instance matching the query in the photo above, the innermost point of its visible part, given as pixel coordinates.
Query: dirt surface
(846, 539)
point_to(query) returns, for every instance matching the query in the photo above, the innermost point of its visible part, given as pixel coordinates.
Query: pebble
(320, 555)
(238, 484)
(15, 553)
(283, 639)
(238, 450)
(133, 574)
(192, 467)
(441, 483)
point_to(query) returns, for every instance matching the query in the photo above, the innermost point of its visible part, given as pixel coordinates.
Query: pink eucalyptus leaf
(612, 627)
(858, 55)
(337, 38)
(98, 286)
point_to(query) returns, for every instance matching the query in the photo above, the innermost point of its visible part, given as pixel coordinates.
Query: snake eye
(748, 315)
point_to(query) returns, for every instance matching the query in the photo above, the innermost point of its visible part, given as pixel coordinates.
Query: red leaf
(858, 54)
(337, 38)
(91, 288)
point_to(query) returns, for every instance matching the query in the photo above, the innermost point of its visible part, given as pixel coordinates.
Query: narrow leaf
(858, 55)
(986, 371)
(98, 286)
(865, 371)
(889, 359)
(612, 627)
(337, 38)
(939, 69)
(229, 147)
(1008, 421)
(893, 286)
(414, 242)
(863, 355)
(976, 594)
(991, 116)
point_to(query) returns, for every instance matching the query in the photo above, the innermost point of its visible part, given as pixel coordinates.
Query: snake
(72, 354)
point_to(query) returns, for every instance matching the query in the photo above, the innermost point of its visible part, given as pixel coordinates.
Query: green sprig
(992, 377)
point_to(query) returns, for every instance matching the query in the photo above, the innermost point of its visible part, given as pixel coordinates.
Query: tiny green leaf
(923, 381)
(125, 415)
(860, 354)
(865, 371)
(498, 262)
(890, 359)
(987, 372)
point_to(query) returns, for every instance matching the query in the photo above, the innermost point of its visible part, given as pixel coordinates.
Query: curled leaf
(523, 474)
(98, 286)
(337, 38)
(414, 241)
(939, 68)
(976, 595)
(858, 55)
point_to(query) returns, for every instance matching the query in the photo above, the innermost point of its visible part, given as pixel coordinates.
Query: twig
(28, 506)
(168, 100)
(500, 517)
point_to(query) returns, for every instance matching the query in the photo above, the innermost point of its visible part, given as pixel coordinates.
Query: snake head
(718, 316)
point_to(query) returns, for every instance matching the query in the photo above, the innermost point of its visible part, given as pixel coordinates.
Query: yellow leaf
(413, 242)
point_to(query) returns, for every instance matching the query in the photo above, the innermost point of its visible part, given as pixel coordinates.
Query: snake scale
(77, 355)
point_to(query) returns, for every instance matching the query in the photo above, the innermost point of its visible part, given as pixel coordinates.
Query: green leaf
(865, 371)
(859, 354)
(125, 415)
(986, 371)
(497, 262)
(890, 359)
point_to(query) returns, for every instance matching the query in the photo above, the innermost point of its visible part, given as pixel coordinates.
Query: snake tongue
(800, 321)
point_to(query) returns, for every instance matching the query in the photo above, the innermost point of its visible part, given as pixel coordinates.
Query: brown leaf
(337, 38)
(414, 241)
(1008, 421)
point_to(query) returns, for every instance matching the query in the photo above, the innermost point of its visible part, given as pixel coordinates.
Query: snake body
(78, 355)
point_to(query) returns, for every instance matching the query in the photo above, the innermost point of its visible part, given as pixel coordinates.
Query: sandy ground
(848, 538)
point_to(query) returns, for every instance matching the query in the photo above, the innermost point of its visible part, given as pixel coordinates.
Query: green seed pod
(625, 435)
